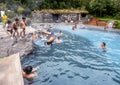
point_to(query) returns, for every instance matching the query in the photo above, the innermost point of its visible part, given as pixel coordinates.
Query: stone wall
(50, 18)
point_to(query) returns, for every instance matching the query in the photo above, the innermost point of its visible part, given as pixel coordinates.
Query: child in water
(103, 46)
(58, 40)
(29, 72)
(34, 36)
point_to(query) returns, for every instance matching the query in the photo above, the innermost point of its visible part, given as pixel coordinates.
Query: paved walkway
(10, 71)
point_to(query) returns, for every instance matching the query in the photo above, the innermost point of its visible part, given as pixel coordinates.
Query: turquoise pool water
(78, 60)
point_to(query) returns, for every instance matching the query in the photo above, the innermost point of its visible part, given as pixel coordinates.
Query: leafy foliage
(95, 7)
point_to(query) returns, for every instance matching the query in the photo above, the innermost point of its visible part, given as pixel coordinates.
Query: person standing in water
(51, 39)
(103, 46)
(23, 27)
(74, 27)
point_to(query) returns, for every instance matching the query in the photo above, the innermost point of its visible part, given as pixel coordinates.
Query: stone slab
(10, 70)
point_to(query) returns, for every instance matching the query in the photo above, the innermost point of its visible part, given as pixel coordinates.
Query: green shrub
(26, 12)
(3, 7)
(11, 14)
(20, 10)
(117, 16)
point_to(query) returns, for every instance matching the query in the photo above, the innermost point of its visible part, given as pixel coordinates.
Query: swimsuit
(10, 31)
(48, 43)
(23, 29)
(15, 28)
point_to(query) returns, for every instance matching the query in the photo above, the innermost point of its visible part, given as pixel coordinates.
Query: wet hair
(23, 17)
(9, 22)
(28, 69)
(104, 43)
(58, 37)
(16, 19)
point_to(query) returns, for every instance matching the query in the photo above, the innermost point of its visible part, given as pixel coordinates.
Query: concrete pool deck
(10, 71)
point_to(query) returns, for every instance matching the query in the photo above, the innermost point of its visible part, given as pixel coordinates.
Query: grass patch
(108, 19)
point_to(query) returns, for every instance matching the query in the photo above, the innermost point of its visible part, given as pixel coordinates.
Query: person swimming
(34, 36)
(58, 40)
(28, 72)
(8, 28)
(59, 33)
(103, 46)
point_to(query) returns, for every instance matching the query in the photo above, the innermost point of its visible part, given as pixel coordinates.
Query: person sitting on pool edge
(103, 46)
(51, 39)
(28, 72)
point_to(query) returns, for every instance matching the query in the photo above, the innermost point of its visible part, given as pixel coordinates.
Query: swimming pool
(78, 60)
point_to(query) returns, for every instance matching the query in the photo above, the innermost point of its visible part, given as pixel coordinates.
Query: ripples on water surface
(79, 60)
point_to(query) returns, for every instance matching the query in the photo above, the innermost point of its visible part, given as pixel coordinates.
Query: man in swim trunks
(51, 40)
(22, 26)
(15, 27)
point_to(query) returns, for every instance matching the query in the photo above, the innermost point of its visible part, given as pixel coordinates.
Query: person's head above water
(28, 69)
(58, 38)
(104, 44)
